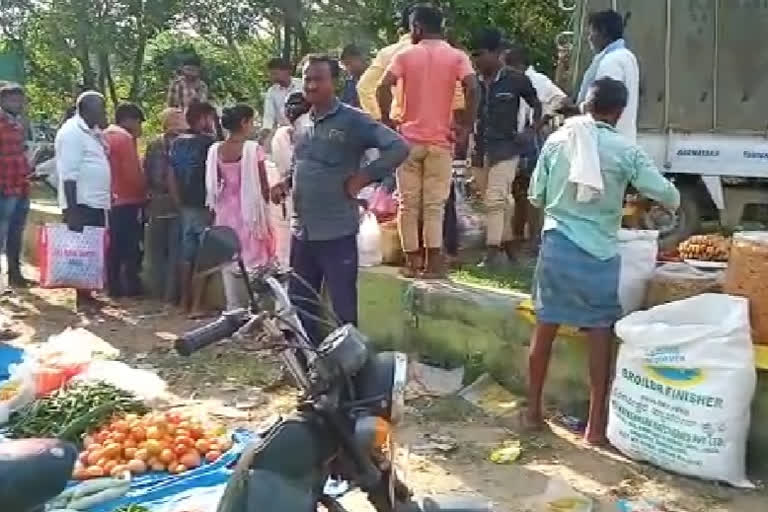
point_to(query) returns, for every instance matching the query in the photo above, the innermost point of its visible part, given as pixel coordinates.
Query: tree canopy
(130, 49)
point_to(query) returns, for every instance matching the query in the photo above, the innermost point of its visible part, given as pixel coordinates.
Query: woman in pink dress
(237, 192)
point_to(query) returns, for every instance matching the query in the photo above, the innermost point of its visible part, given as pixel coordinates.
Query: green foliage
(130, 49)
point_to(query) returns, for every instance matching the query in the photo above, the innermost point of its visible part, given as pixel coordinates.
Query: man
(326, 180)
(186, 186)
(371, 78)
(552, 99)
(283, 143)
(498, 141)
(188, 86)
(577, 275)
(613, 60)
(129, 195)
(427, 120)
(83, 169)
(163, 228)
(354, 63)
(283, 84)
(14, 178)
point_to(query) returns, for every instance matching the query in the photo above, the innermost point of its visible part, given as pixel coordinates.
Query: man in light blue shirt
(577, 273)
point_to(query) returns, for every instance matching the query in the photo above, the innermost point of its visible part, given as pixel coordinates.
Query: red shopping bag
(383, 205)
(72, 260)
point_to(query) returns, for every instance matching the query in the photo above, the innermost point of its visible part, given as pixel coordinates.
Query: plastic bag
(638, 250)
(16, 392)
(369, 241)
(71, 260)
(470, 220)
(558, 496)
(145, 384)
(685, 378)
(678, 281)
(383, 205)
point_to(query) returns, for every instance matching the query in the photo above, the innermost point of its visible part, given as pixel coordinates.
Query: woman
(237, 192)
(164, 230)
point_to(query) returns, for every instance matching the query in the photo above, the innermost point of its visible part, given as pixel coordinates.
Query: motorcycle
(351, 398)
(33, 471)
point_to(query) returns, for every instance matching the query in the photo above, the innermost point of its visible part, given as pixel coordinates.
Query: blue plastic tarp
(200, 488)
(8, 355)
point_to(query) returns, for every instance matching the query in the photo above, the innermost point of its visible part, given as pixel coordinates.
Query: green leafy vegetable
(70, 412)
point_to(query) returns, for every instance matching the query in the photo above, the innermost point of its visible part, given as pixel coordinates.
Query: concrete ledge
(483, 330)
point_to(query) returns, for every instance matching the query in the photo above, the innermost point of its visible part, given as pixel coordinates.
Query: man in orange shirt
(428, 71)
(129, 195)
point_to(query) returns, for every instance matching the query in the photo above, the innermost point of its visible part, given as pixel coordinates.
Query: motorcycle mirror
(219, 246)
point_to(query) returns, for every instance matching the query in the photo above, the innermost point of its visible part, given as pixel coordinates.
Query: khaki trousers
(495, 182)
(423, 182)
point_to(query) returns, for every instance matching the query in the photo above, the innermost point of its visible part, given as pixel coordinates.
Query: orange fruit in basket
(154, 432)
(94, 457)
(130, 453)
(177, 469)
(185, 440)
(94, 471)
(113, 450)
(121, 426)
(202, 446)
(141, 454)
(180, 449)
(167, 456)
(212, 456)
(153, 446)
(109, 466)
(138, 434)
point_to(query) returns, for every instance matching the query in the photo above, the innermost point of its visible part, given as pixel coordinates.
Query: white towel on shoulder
(251, 199)
(585, 170)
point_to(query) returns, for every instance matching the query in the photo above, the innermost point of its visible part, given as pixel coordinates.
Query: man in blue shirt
(577, 274)
(325, 180)
(355, 65)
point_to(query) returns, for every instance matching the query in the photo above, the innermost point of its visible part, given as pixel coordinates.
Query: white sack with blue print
(685, 378)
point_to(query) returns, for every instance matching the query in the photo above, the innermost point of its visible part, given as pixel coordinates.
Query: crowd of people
(399, 122)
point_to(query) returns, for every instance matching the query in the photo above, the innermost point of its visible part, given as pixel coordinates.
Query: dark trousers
(451, 224)
(16, 236)
(331, 264)
(123, 260)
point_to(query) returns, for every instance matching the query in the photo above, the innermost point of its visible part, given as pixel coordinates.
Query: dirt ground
(227, 382)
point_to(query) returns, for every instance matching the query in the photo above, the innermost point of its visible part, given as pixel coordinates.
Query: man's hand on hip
(355, 184)
(75, 219)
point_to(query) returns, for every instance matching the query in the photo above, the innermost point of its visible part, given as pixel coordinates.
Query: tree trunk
(106, 71)
(287, 52)
(138, 61)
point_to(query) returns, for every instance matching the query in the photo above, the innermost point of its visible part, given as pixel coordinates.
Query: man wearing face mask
(613, 60)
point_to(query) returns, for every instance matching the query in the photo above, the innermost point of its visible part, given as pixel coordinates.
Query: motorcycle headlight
(383, 380)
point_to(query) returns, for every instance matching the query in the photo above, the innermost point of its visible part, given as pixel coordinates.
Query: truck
(703, 112)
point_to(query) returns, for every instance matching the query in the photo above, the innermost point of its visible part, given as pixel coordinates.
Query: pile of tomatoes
(154, 442)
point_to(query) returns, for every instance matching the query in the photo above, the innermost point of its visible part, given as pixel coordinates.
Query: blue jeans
(7, 209)
(15, 238)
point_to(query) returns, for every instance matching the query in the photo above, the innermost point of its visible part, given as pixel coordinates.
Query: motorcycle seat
(32, 471)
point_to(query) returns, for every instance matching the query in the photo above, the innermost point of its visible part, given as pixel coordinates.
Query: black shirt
(189, 153)
(496, 135)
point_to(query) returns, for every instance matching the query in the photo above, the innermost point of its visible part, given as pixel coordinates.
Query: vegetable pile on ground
(73, 410)
(153, 442)
(705, 248)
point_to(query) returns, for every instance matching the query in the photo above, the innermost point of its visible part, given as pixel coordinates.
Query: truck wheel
(676, 227)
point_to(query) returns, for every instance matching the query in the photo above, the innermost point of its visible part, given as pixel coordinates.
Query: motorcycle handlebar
(223, 327)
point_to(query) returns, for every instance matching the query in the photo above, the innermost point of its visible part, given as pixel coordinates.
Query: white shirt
(274, 103)
(622, 65)
(550, 96)
(81, 156)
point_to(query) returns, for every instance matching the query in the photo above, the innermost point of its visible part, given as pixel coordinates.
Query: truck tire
(685, 223)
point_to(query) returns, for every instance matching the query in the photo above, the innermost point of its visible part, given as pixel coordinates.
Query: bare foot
(596, 440)
(529, 421)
